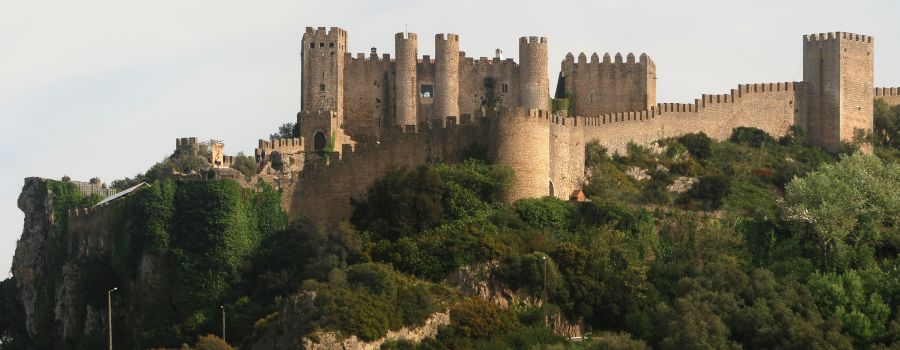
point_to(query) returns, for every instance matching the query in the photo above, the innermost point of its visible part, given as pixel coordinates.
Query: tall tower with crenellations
(838, 78)
(322, 89)
(405, 49)
(446, 76)
(534, 85)
(322, 58)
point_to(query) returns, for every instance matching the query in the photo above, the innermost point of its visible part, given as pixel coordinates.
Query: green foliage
(698, 144)
(846, 209)
(547, 213)
(287, 131)
(710, 191)
(752, 137)
(245, 164)
(406, 202)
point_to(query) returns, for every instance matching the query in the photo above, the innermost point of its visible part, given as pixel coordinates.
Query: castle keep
(361, 114)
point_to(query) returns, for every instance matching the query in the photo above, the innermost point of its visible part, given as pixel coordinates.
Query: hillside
(754, 242)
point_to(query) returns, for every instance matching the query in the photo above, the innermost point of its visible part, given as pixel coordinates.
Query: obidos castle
(361, 114)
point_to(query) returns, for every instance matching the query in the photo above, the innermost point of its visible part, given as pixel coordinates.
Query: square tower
(838, 77)
(322, 88)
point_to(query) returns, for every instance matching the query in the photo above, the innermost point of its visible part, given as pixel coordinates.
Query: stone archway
(319, 141)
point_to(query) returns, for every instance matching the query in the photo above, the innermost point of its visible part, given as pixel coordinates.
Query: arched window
(551, 189)
(319, 141)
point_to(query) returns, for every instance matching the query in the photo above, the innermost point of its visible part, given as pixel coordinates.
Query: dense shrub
(698, 144)
(752, 137)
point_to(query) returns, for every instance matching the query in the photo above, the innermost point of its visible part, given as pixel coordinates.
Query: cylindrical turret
(405, 78)
(446, 76)
(523, 143)
(533, 82)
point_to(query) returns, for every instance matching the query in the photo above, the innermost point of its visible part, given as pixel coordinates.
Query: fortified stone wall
(889, 95)
(473, 90)
(771, 107)
(607, 87)
(566, 157)
(323, 192)
(368, 85)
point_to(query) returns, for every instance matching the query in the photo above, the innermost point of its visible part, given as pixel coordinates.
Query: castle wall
(425, 73)
(771, 107)
(368, 82)
(566, 157)
(610, 86)
(889, 95)
(473, 91)
(323, 192)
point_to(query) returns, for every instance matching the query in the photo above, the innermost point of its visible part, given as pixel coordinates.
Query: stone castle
(362, 114)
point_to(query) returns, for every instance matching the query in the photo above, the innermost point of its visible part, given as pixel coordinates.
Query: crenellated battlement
(883, 91)
(822, 37)
(446, 37)
(359, 57)
(186, 142)
(643, 59)
(323, 33)
(531, 40)
(705, 101)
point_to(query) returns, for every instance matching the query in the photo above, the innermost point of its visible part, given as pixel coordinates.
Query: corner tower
(322, 68)
(838, 77)
(446, 76)
(534, 85)
(405, 49)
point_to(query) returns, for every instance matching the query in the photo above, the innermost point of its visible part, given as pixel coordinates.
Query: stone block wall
(889, 95)
(771, 107)
(609, 86)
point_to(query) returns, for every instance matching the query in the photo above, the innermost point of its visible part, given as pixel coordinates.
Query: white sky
(102, 88)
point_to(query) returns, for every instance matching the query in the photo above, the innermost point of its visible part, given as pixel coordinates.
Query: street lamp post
(545, 277)
(109, 313)
(223, 321)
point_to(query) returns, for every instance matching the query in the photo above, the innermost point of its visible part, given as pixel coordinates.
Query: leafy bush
(752, 137)
(698, 144)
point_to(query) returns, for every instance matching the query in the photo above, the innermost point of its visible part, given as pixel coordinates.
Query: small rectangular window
(321, 87)
(312, 45)
(330, 44)
(505, 88)
(427, 90)
(321, 44)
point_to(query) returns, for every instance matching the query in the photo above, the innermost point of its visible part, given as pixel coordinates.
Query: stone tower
(446, 76)
(838, 76)
(534, 85)
(405, 49)
(322, 87)
(322, 56)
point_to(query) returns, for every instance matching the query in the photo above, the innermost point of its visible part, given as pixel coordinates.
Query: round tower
(533, 82)
(522, 139)
(405, 49)
(446, 76)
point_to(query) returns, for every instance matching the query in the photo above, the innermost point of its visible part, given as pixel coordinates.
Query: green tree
(846, 209)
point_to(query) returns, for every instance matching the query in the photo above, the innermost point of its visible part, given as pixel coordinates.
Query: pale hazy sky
(102, 88)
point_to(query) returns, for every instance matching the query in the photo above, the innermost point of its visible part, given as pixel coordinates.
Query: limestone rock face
(39, 230)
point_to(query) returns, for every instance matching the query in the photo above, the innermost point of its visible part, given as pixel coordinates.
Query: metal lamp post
(109, 314)
(223, 321)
